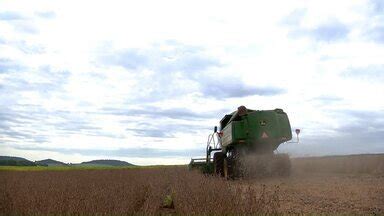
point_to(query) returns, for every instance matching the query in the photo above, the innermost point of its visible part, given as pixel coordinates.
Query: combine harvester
(246, 143)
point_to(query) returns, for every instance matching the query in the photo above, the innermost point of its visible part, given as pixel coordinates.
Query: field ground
(327, 185)
(77, 167)
(325, 193)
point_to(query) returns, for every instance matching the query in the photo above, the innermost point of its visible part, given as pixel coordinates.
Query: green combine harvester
(246, 143)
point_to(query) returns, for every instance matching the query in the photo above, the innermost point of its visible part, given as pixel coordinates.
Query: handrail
(212, 145)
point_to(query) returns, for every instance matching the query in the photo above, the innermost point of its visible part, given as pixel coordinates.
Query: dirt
(316, 186)
(326, 193)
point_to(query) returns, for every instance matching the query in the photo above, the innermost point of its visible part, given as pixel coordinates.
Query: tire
(234, 164)
(218, 160)
(228, 168)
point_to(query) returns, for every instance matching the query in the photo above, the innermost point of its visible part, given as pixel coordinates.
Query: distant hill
(15, 161)
(19, 161)
(50, 162)
(12, 158)
(106, 163)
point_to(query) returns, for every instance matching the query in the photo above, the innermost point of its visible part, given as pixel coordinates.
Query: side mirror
(215, 129)
(297, 134)
(297, 131)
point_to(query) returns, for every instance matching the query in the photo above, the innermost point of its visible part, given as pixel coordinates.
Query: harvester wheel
(228, 168)
(218, 160)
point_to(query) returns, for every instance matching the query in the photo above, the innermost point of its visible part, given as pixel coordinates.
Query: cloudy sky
(146, 81)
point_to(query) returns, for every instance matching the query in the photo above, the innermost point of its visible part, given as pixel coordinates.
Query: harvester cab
(247, 135)
(213, 145)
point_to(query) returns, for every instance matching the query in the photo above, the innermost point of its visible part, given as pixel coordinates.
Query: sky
(146, 81)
